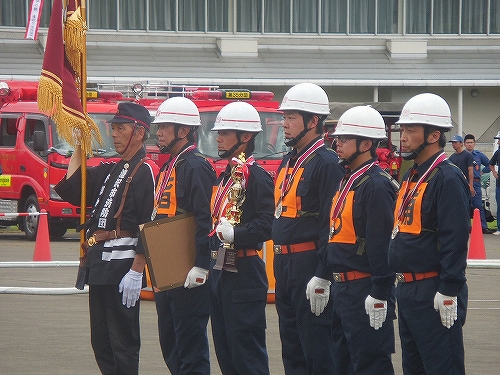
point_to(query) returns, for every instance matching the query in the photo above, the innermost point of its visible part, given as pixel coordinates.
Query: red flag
(57, 90)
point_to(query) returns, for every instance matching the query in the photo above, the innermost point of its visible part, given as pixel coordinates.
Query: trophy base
(226, 260)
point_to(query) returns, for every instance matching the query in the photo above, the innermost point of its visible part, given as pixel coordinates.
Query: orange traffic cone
(42, 243)
(476, 243)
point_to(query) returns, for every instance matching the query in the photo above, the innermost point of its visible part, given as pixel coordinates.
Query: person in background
(463, 160)
(238, 290)
(184, 185)
(307, 179)
(361, 219)
(429, 241)
(121, 194)
(495, 162)
(480, 160)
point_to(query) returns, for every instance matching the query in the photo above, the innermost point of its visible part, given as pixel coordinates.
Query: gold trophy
(226, 256)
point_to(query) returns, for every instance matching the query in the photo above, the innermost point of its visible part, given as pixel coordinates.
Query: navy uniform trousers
(238, 317)
(182, 328)
(416, 317)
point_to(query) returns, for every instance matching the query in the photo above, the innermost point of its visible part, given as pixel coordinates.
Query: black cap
(132, 112)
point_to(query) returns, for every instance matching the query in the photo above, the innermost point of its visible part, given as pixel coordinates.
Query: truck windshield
(107, 148)
(269, 144)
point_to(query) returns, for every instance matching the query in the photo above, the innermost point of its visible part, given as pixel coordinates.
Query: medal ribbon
(345, 189)
(285, 186)
(409, 195)
(166, 176)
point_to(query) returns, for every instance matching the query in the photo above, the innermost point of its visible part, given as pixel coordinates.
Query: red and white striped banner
(34, 20)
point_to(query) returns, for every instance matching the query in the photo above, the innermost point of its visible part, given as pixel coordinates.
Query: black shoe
(488, 231)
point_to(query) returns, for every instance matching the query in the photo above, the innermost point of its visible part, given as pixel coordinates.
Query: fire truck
(33, 158)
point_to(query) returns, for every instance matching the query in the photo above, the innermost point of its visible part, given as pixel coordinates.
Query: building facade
(358, 50)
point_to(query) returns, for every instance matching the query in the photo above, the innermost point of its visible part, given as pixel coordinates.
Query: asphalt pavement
(49, 334)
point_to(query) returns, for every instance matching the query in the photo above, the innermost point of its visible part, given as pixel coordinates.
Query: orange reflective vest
(411, 222)
(168, 203)
(291, 203)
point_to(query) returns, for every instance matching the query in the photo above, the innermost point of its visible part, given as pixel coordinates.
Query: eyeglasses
(343, 138)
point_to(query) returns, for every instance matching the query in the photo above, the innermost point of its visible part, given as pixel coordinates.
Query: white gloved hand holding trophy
(225, 231)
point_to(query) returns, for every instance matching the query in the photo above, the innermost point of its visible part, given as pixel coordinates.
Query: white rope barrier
(471, 263)
(483, 263)
(40, 264)
(43, 291)
(16, 214)
(36, 290)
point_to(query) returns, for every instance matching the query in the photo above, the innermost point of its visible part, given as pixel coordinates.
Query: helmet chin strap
(224, 154)
(350, 159)
(166, 149)
(293, 141)
(412, 155)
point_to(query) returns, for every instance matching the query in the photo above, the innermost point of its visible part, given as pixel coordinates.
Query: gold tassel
(74, 39)
(49, 95)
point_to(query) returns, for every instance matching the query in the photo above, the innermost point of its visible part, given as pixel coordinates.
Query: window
(361, 16)
(132, 15)
(33, 125)
(495, 16)
(191, 15)
(474, 16)
(445, 17)
(102, 14)
(249, 15)
(162, 15)
(218, 15)
(387, 16)
(277, 16)
(376, 17)
(334, 16)
(8, 131)
(305, 16)
(418, 16)
(15, 13)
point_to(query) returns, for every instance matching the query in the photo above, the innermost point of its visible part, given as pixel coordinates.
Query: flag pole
(83, 98)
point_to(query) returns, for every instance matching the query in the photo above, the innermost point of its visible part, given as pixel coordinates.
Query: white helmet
(362, 121)
(426, 109)
(178, 110)
(307, 97)
(238, 116)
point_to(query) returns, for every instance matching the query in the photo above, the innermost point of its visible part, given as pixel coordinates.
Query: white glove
(131, 286)
(196, 276)
(225, 231)
(318, 293)
(376, 309)
(447, 308)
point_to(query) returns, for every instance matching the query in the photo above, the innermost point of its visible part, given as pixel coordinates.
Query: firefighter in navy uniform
(115, 257)
(184, 185)
(361, 215)
(428, 249)
(238, 292)
(307, 179)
